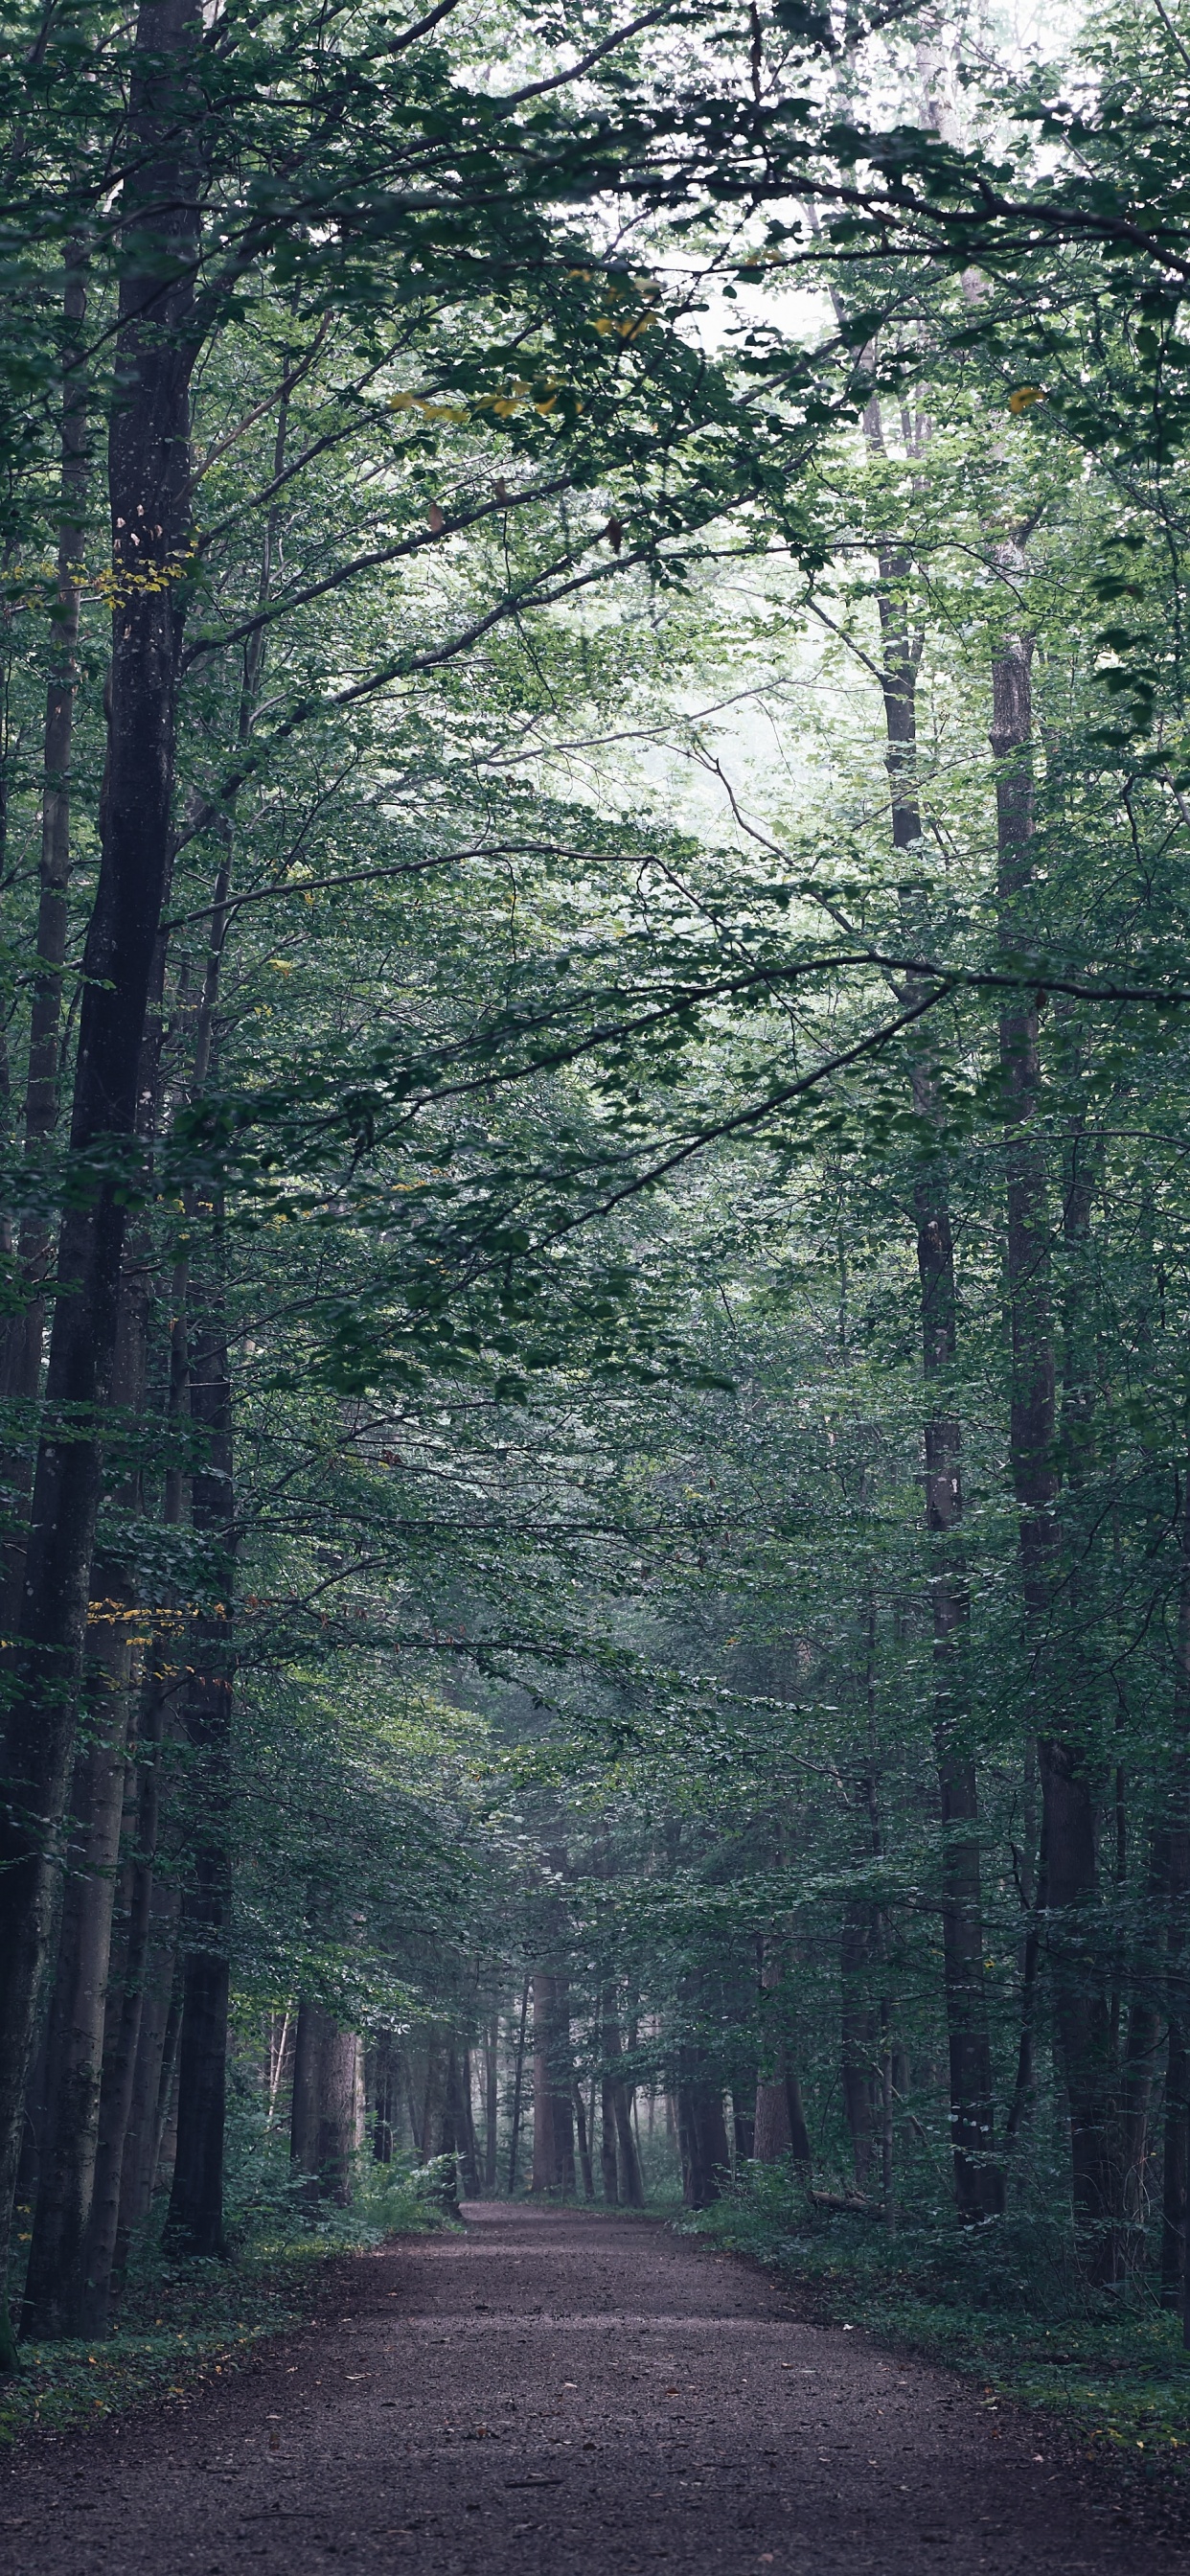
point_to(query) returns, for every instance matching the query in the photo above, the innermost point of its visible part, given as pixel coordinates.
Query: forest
(595, 1239)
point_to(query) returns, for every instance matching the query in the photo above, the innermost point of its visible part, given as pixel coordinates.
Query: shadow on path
(552, 2392)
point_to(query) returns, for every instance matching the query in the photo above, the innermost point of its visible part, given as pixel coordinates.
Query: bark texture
(619, 2155)
(979, 2181)
(326, 2120)
(149, 490)
(779, 2126)
(702, 2132)
(1067, 1764)
(196, 2196)
(553, 2081)
(55, 2283)
(22, 1338)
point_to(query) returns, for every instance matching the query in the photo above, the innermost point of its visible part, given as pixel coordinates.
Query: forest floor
(550, 2390)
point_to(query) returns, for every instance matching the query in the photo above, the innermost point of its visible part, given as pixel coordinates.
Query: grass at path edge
(186, 2323)
(1110, 2382)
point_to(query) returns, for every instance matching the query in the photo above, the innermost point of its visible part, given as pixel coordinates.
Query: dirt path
(557, 2393)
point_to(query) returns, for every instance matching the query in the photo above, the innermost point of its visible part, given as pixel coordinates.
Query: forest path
(560, 2392)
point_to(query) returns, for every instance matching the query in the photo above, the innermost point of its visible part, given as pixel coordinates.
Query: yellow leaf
(1024, 395)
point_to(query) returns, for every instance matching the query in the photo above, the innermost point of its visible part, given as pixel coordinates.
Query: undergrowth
(1001, 2303)
(183, 2323)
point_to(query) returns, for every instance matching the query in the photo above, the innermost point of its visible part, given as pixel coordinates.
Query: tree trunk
(1175, 2171)
(517, 2091)
(629, 2187)
(561, 2076)
(491, 2113)
(607, 2141)
(57, 2295)
(859, 2036)
(195, 2224)
(743, 2125)
(464, 2120)
(584, 2144)
(36, 2115)
(979, 2181)
(119, 2074)
(1025, 2085)
(324, 2116)
(149, 470)
(123, 2185)
(780, 2123)
(152, 2083)
(303, 2109)
(1082, 2014)
(1175, 2217)
(22, 1338)
(54, 2287)
(339, 2113)
(165, 2136)
(384, 2086)
(544, 2156)
(771, 2133)
(433, 2114)
(702, 2133)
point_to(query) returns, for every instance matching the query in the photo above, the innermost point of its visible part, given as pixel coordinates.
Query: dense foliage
(596, 1273)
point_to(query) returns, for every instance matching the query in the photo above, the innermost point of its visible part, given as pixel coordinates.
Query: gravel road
(552, 2393)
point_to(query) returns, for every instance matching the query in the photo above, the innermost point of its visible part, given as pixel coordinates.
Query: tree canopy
(596, 967)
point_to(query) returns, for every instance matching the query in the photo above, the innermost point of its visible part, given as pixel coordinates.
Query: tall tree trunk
(340, 2124)
(702, 2132)
(433, 2114)
(153, 2076)
(544, 2154)
(553, 2077)
(36, 2116)
(743, 2127)
(491, 2110)
(120, 2103)
(518, 2090)
(630, 2189)
(326, 2124)
(148, 481)
(55, 2284)
(463, 2117)
(1067, 1765)
(117, 2091)
(325, 2114)
(126, 2160)
(607, 2142)
(196, 2199)
(1175, 2216)
(779, 2126)
(1024, 2089)
(979, 2181)
(57, 2294)
(856, 1956)
(303, 2109)
(1148, 1985)
(22, 1338)
(584, 2143)
(383, 2097)
(561, 2076)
